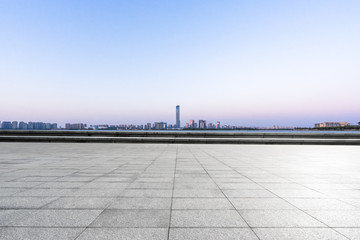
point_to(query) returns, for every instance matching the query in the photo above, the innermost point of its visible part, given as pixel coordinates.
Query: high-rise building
(75, 126)
(177, 116)
(6, 125)
(23, 125)
(192, 124)
(160, 125)
(202, 124)
(14, 125)
(218, 124)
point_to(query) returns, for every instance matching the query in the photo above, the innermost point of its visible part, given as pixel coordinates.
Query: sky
(246, 63)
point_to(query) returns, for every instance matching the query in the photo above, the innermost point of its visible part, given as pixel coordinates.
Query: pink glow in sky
(240, 62)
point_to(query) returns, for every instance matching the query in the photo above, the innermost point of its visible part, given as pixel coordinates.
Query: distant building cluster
(75, 126)
(331, 124)
(192, 124)
(28, 126)
(202, 124)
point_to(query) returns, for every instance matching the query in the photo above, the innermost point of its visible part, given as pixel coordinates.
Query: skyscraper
(177, 116)
(202, 124)
(192, 124)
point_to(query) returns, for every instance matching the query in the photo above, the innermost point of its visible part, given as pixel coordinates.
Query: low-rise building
(331, 124)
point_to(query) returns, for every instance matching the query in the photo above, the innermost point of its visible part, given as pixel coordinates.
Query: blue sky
(250, 63)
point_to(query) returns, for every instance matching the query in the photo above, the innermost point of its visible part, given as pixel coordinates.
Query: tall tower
(178, 116)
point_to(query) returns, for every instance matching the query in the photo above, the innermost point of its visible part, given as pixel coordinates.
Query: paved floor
(158, 191)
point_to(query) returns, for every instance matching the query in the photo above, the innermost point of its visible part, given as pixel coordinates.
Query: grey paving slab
(249, 193)
(17, 233)
(320, 204)
(25, 202)
(298, 234)
(79, 203)
(155, 193)
(141, 203)
(133, 218)
(124, 234)
(95, 192)
(206, 218)
(114, 185)
(261, 203)
(134, 191)
(298, 193)
(53, 185)
(195, 185)
(206, 193)
(279, 218)
(44, 192)
(337, 218)
(201, 203)
(239, 186)
(9, 215)
(351, 233)
(10, 191)
(19, 184)
(212, 234)
(54, 218)
(151, 185)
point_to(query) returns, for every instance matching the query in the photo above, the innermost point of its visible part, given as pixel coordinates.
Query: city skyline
(292, 63)
(174, 123)
(159, 125)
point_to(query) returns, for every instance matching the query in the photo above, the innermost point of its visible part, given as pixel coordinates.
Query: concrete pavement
(162, 191)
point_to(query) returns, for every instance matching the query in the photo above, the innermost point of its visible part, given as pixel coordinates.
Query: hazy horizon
(244, 63)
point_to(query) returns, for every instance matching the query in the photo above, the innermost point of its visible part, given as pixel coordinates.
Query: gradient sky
(249, 63)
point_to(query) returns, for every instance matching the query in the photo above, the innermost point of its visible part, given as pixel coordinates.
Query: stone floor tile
(187, 185)
(44, 192)
(337, 218)
(201, 203)
(195, 193)
(155, 193)
(211, 234)
(25, 202)
(260, 203)
(20, 233)
(298, 193)
(248, 193)
(351, 233)
(95, 192)
(239, 186)
(298, 234)
(133, 218)
(141, 203)
(150, 185)
(279, 218)
(206, 218)
(55, 218)
(80, 203)
(5, 192)
(124, 234)
(320, 204)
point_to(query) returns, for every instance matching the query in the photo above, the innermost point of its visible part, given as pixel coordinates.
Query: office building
(75, 126)
(202, 124)
(332, 124)
(23, 125)
(160, 125)
(6, 125)
(177, 116)
(14, 125)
